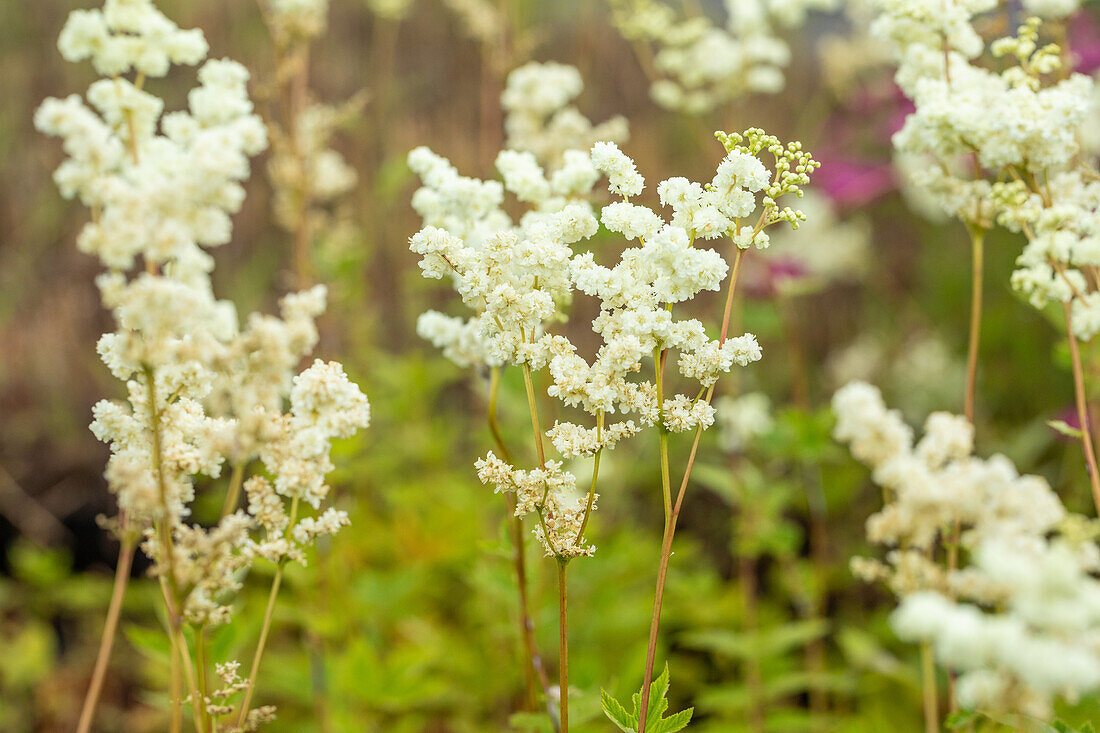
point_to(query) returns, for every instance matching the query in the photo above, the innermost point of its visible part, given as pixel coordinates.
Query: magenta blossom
(1084, 43)
(850, 182)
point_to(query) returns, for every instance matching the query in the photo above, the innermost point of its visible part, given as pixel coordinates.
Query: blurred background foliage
(407, 622)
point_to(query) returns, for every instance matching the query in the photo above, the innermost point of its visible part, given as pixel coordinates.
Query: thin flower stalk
(127, 544)
(534, 672)
(1081, 403)
(206, 390)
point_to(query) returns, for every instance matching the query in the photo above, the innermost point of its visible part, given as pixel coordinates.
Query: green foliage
(656, 722)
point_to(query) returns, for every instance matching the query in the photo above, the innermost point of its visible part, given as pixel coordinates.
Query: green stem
(1081, 399)
(233, 494)
(533, 406)
(928, 686)
(670, 525)
(662, 437)
(977, 239)
(595, 475)
(533, 668)
(200, 668)
(265, 628)
(563, 637)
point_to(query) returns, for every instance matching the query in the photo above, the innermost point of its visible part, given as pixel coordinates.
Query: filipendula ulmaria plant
(1016, 613)
(547, 168)
(695, 64)
(1036, 175)
(518, 280)
(205, 392)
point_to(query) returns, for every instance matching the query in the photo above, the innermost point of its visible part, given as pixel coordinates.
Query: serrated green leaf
(616, 713)
(672, 723)
(658, 704)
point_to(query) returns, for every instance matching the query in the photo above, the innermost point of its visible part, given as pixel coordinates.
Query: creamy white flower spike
(1032, 562)
(539, 117)
(204, 390)
(519, 279)
(704, 64)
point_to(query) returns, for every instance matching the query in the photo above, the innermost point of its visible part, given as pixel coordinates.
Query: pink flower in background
(1084, 42)
(769, 273)
(850, 182)
(903, 108)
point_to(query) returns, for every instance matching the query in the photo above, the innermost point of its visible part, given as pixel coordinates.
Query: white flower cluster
(203, 391)
(552, 494)
(1052, 9)
(703, 64)
(129, 35)
(969, 119)
(1060, 261)
(517, 279)
(297, 19)
(1014, 124)
(467, 228)
(541, 119)
(160, 193)
(1028, 560)
(1041, 643)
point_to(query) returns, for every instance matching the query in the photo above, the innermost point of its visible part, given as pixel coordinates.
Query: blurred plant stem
(533, 662)
(200, 674)
(292, 88)
(977, 239)
(110, 626)
(674, 510)
(928, 686)
(182, 668)
(1082, 408)
(260, 645)
(265, 627)
(563, 652)
(233, 493)
(297, 96)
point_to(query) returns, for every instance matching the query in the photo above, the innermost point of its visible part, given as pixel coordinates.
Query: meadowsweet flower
(205, 389)
(622, 175)
(704, 64)
(548, 492)
(540, 119)
(1027, 599)
(518, 279)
